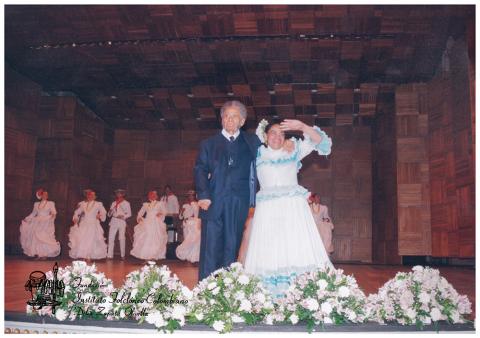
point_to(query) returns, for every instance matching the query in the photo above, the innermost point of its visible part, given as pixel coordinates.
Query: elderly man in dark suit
(225, 182)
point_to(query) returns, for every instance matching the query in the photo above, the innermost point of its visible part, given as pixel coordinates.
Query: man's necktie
(230, 159)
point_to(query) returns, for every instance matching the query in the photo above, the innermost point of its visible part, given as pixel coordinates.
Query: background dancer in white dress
(189, 250)
(323, 222)
(119, 212)
(150, 234)
(86, 236)
(284, 241)
(37, 231)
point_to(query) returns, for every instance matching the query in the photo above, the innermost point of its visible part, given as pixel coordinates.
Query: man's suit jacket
(211, 169)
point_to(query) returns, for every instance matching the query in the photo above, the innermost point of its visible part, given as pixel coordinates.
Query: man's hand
(204, 204)
(289, 146)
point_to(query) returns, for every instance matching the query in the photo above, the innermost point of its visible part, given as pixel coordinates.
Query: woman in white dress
(323, 221)
(37, 231)
(150, 234)
(86, 236)
(284, 241)
(189, 250)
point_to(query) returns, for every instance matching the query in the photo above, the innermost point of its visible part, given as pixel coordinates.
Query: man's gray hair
(237, 104)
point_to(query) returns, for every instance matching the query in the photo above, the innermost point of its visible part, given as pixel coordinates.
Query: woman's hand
(288, 124)
(204, 204)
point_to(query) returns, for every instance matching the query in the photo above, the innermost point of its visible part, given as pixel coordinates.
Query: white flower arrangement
(419, 297)
(230, 296)
(323, 296)
(87, 294)
(260, 131)
(155, 295)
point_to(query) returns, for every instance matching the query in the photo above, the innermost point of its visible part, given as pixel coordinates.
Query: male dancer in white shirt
(119, 212)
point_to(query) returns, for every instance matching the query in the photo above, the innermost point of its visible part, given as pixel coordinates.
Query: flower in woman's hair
(261, 130)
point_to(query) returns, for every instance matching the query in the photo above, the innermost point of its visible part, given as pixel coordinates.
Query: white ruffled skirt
(37, 237)
(87, 240)
(189, 250)
(150, 239)
(284, 242)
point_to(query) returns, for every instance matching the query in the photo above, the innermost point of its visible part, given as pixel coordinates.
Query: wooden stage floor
(369, 277)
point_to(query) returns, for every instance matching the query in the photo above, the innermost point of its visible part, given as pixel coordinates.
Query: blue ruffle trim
(277, 285)
(282, 160)
(277, 192)
(325, 145)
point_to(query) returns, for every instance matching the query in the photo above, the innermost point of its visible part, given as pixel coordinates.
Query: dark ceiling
(172, 66)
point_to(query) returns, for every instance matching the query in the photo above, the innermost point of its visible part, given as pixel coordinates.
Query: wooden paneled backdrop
(402, 185)
(146, 160)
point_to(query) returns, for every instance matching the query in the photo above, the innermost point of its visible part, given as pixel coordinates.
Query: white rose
(435, 314)
(236, 265)
(216, 290)
(239, 295)
(178, 311)
(424, 297)
(228, 281)
(326, 308)
(455, 316)
(245, 305)
(311, 304)
(61, 314)
(417, 268)
(327, 320)
(122, 313)
(211, 286)
(294, 319)
(156, 319)
(199, 316)
(237, 319)
(352, 315)
(133, 293)
(218, 325)
(29, 309)
(343, 291)
(411, 313)
(322, 284)
(243, 279)
(260, 297)
(426, 320)
(187, 292)
(156, 284)
(269, 319)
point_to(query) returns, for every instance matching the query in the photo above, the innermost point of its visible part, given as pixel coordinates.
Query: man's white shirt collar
(227, 135)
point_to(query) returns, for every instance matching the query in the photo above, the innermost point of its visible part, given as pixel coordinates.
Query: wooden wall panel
(413, 186)
(22, 98)
(451, 156)
(73, 155)
(385, 217)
